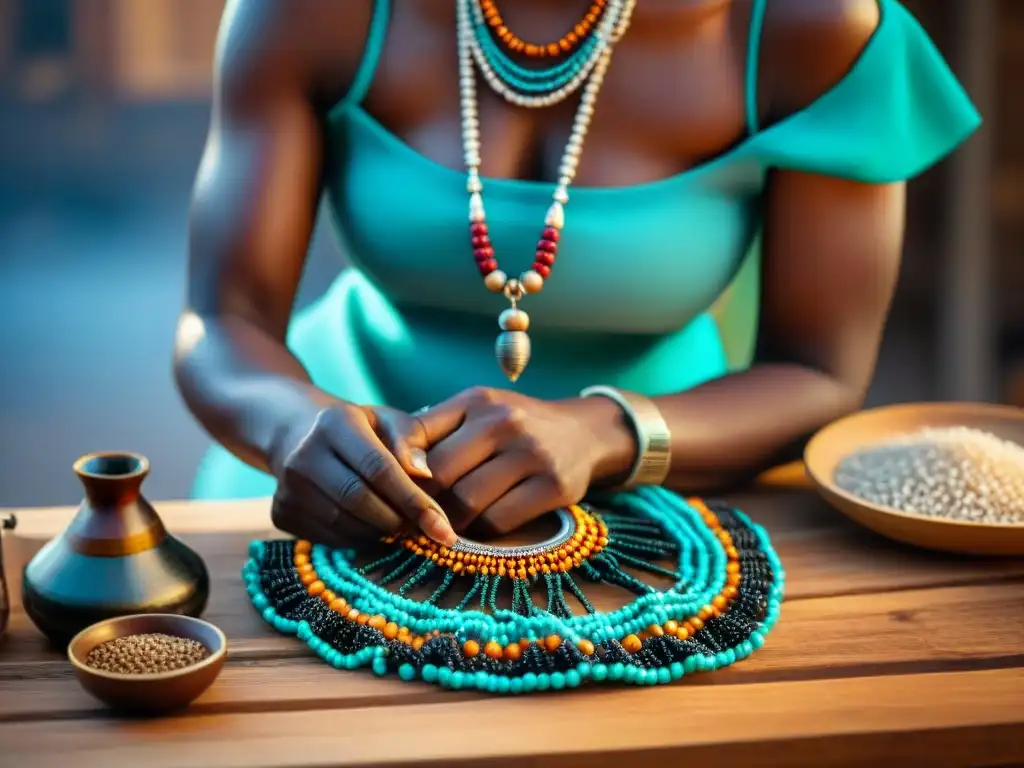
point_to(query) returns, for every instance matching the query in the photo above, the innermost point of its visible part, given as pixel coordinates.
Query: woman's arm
(253, 208)
(344, 471)
(831, 262)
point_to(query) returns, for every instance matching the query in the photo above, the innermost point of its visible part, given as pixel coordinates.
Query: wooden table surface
(884, 655)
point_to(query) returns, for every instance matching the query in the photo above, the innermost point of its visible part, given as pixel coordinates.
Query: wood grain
(884, 654)
(969, 718)
(825, 638)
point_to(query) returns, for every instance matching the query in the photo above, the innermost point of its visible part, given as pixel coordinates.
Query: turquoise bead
(573, 678)
(504, 685)
(429, 673)
(457, 679)
(407, 672)
(516, 685)
(529, 682)
(380, 666)
(664, 675)
(557, 681)
(599, 672)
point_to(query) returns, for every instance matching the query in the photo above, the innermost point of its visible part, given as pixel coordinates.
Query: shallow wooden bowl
(860, 430)
(148, 694)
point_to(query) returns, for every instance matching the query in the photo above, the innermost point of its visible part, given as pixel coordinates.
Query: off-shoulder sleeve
(897, 112)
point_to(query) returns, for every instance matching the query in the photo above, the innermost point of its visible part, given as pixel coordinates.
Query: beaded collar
(722, 589)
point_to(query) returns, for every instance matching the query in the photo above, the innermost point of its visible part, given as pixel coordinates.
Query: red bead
(550, 233)
(542, 269)
(486, 267)
(477, 228)
(543, 257)
(483, 254)
(547, 245)
(481, 241)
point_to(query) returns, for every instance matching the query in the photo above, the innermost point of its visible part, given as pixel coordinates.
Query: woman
(769, 135)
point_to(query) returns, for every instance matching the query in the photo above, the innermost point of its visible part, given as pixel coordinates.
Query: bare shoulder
(811, 45)
(315, 46)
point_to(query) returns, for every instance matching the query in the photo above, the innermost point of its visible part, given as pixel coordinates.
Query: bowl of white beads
(944, 476)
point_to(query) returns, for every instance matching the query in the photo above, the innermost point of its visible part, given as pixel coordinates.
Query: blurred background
(103, 109)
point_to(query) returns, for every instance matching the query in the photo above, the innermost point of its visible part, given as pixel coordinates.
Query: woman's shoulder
(857, 89)
(308, 44)
(809, 46)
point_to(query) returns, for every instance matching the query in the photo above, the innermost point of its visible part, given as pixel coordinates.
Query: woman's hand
(347, 473)
(508, 458)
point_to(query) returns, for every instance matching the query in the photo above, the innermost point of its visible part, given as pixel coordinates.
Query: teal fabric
(639, 267)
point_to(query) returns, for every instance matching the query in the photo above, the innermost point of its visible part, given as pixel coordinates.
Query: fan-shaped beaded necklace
(499, 618)
(527, 88)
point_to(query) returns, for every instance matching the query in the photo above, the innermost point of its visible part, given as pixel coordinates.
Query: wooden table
(884, 655)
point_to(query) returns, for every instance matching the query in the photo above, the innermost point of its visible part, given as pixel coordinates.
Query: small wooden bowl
(833, 443)
(156, 693)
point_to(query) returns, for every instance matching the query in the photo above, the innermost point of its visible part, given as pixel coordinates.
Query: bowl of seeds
(148, 663)
(944, 476)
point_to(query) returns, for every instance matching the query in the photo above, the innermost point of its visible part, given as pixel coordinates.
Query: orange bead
(316, 588)
(471, 648)
(733, 579)
(697, 624)
(586, 647)
(671, 627)
(391, 630)
(327, 596)
(732, 568)
(524, 643)
(301, 560)
(730, 592)
(352, 615)
(338, 605)
(493, 649)
(719, 602)
(308, 577)
(655, 630)
(378, 622)
(552, 643)
(417, 642)
(303, 547)
(513, 652)
(682, 633)
(632, 643)
(362, 618)
(706, 612)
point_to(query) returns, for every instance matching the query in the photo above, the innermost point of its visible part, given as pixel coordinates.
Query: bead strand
(565, 44)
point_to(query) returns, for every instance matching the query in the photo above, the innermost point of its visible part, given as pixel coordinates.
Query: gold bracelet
(654, 454)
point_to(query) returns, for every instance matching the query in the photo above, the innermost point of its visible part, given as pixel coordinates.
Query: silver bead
(512, 350)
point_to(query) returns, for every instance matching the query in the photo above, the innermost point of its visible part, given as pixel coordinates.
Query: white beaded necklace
(512, 348)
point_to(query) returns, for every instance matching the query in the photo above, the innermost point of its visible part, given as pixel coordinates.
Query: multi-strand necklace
(589, 53)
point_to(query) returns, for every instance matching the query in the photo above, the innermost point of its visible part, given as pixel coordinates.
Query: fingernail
(437, 526)
(418, 459)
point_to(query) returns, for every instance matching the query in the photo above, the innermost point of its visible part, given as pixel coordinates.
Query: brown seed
(146, 654)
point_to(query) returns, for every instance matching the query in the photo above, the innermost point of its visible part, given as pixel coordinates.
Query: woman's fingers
(357, 445)
(405, 437)
(523, 503)
(482, 487)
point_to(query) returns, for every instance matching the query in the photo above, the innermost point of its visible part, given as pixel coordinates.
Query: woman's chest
(640, 259)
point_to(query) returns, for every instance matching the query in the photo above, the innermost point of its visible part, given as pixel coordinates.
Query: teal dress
(640, 267)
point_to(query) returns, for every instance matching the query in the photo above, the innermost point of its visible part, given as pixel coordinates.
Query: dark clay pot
(115, 558)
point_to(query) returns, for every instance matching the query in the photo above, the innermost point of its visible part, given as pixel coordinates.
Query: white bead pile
(953, 473)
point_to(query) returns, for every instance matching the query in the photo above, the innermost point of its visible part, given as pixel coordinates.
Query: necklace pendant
(513, 352)
(512, 349)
